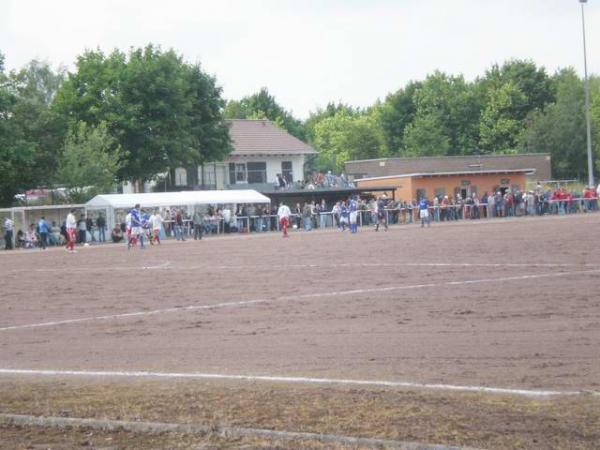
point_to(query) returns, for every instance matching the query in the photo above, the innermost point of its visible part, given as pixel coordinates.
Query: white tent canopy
(189, 198)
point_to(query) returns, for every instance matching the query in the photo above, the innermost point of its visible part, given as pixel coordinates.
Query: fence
(403, 215)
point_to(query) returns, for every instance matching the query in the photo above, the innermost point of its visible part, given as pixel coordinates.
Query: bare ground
(510, 304)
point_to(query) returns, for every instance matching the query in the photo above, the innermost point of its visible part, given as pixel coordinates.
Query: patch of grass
(469, 419)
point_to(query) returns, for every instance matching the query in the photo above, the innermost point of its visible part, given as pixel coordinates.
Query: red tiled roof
(263, 137)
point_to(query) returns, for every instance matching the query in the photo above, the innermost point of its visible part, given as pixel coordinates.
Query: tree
(425, 137)
(163, 112)
(28, 134)
(560, 129)
(89, 162)
(344, 137)
(536, 87)
(499, 128)
(395, 114)
(263, 105)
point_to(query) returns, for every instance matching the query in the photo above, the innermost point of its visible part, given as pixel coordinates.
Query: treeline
(132, 116)
(117, 117)
(513, 108)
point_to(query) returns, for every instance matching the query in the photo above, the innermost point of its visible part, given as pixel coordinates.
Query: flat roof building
(536, 164)
(414, 186)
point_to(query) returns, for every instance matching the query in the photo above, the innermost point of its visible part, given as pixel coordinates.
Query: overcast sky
(309, 52)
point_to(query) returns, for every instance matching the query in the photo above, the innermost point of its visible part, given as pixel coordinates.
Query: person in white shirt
(8, 234)
(71, 226)
(156, 221)
(283, 214)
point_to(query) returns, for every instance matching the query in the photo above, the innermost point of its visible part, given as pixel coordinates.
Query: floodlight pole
(587, 102)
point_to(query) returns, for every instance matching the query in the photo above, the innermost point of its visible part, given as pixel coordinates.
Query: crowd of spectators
(318, 180)
(181, 223)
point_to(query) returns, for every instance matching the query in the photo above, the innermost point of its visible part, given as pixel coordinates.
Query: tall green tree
(425, 137)
(345, 137)
(29, 136)
(560, 129)
(536, 87)
(89, 162)
(263, 105)
(499, 128)
(395, 114)
(163, 112)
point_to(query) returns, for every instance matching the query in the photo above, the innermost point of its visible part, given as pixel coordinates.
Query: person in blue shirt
(424, 212)
(43, 229)
(345, 214)
(136, 226)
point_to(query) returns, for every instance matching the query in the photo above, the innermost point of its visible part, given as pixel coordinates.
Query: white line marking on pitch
(300, 380)
(168, 266)
(293, 297)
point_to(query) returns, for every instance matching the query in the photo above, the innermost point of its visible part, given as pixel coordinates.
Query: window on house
(286, 171)
(231, 173)
(257, 172)
(440, 192)
(240, 173)
(206, 175)
(421, 193)
(180, 177)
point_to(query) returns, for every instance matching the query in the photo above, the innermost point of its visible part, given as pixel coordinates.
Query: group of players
(141, 226)
(348, 214)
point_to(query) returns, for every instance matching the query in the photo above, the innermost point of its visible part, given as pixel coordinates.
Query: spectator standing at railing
(336, 212)
(444, 209)
(8, 233)
(298, 215)
(436, 208)
(307, 217)
(483, 205)
(198, 220)
(322, 214)
(499, 202)
(179, 225)
(101, 224)
(43, 229)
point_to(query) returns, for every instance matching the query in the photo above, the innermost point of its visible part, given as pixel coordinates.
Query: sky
(309, 52)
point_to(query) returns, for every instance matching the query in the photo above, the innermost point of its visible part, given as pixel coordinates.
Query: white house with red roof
(261, 150)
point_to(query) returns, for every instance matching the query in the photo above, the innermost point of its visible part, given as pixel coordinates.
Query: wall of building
(273, 164)
(403, 186)
(407, 188)
(471, 183)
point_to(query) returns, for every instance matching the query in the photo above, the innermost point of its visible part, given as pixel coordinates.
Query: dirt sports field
(470, 334)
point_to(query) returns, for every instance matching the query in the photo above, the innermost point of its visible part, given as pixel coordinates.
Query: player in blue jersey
(424, 212)
(145, 221)
(136, 226)
(344, 216)
(353, 216)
